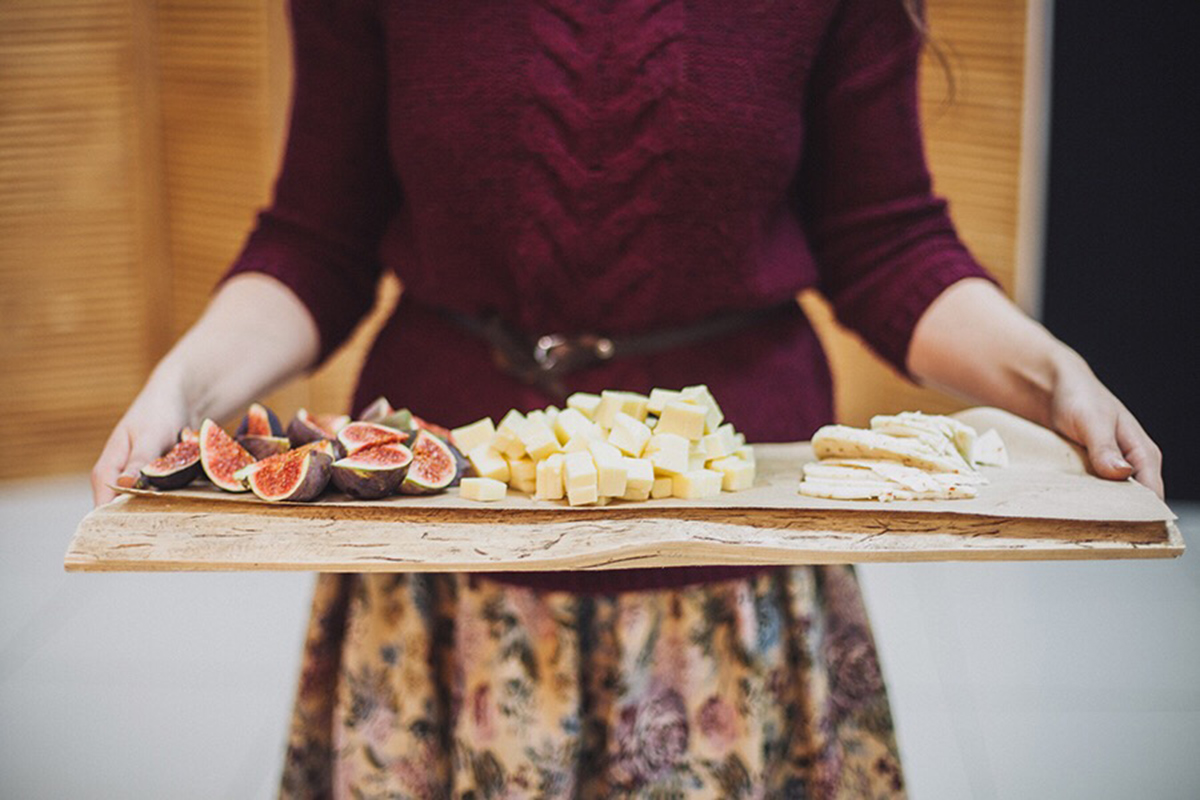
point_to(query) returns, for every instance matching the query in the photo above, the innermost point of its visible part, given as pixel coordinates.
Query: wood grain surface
(1044, 507)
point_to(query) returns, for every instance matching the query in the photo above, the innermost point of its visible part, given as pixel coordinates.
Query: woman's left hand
(1084, 410)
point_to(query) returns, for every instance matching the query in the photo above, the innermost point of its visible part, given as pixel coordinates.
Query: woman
(668, 177)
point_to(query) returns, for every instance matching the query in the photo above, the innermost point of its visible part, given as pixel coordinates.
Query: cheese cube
(579, 470)
(488, 463)
(629, 435)
(685, 419)
(696, 484)
(537, 437)
(701, 396)
(610, 465)
(721, 443)
(583, 495)
(668, 452)
(482, 489)
(745, 452)
(552, 413)
(522, 474)
(508, 439)
(584, 403)
(468, 437)
(550, 478)
(659, 398)
(736, 474)
(639, 475)
(662, 487)
(696, 461)
(635, 495)
(738, 440)
(570, 422)
(613, 403)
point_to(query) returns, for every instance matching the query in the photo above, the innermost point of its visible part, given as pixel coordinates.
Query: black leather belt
(543, 361)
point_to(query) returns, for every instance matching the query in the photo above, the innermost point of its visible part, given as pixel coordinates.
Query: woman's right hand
(145, 432)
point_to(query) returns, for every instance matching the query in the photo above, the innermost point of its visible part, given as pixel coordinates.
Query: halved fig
(221, 457)
(265, 446)
(436, 430)
(376, 410)
(179, 467)
(259, 421)
(188, 435)
(306, 427)
(361, 435)
(434, 467)
(298, 475)
(373, 472)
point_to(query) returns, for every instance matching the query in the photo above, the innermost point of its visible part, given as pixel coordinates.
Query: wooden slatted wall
(973, 138)
(77, 325)
(137, 140)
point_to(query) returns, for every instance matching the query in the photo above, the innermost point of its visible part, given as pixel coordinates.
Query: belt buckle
(555, 350)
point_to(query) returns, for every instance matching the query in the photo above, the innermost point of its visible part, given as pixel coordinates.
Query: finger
(1098, 433)
(1142, 453)
(109, 465)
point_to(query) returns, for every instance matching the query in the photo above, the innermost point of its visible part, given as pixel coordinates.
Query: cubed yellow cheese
(569, 423)
(696, 484)
(739, 440)
(552, 413)
(721, 443)
(488, 463)
(636, 495)
(483, 489)
(585, 403)
(610, 466)
(508, 436)
(736, 474)
(662, 487)
(659, 398)
(522, 474)
(745, 452)
(583, 495)
(668, 452)
(468, 437)
(538, 439)
(550, 478)
(579, 470)
(696, 461)
(628, 435)
(639, 475)
(701, 396)
(537, 413)
(683, 419)
(613, 403)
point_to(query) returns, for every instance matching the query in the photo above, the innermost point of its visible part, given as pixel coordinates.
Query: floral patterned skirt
(454, 686)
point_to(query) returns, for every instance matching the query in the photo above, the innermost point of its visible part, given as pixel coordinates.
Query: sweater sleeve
(335, 190)
(884, 243)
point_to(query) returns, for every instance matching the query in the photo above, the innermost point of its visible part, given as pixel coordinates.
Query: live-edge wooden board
(771, 525)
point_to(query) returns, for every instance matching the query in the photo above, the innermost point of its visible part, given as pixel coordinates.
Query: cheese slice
(468, 437)
(842, 441)
(482, 489)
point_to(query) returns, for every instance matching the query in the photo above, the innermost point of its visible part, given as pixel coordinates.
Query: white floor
(1007, 680)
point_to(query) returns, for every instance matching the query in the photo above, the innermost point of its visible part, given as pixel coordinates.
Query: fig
(436, 430)
(179, 467)
(376, 410)
(434, 467)
(221, 457)
(373, 472)
(361, 435)
(259, 421)
(306, 427)
(265, 446)
(296, 475)
(188, 435)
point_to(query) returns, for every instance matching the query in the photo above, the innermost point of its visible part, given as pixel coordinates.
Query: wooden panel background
(138, 139)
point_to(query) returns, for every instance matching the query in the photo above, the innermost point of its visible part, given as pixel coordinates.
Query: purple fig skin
(378, 410)
(366, 483)
(463, 467)
(174, 480)
(315, 473)
(265, 446)
(301, 432)
(272, 422)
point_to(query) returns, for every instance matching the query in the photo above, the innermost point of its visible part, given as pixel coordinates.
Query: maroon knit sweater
(608, 167)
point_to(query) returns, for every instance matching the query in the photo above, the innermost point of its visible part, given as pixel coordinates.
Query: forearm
(975, 343)
(254, 335)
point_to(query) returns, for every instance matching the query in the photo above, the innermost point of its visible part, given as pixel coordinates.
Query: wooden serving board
(1043, 507)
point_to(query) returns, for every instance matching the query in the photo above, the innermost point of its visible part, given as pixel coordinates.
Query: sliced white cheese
(508, 437)
(613, 403)
(736, 474)
(683, 419)
(989, 450)
(668, 452)
(570, 423)
(610, 465)
(522, 474)
(538, 439)
(700, 395)
(659, 398)
(696, 484)
(662, 487)
(549, 478)
(585, 403)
